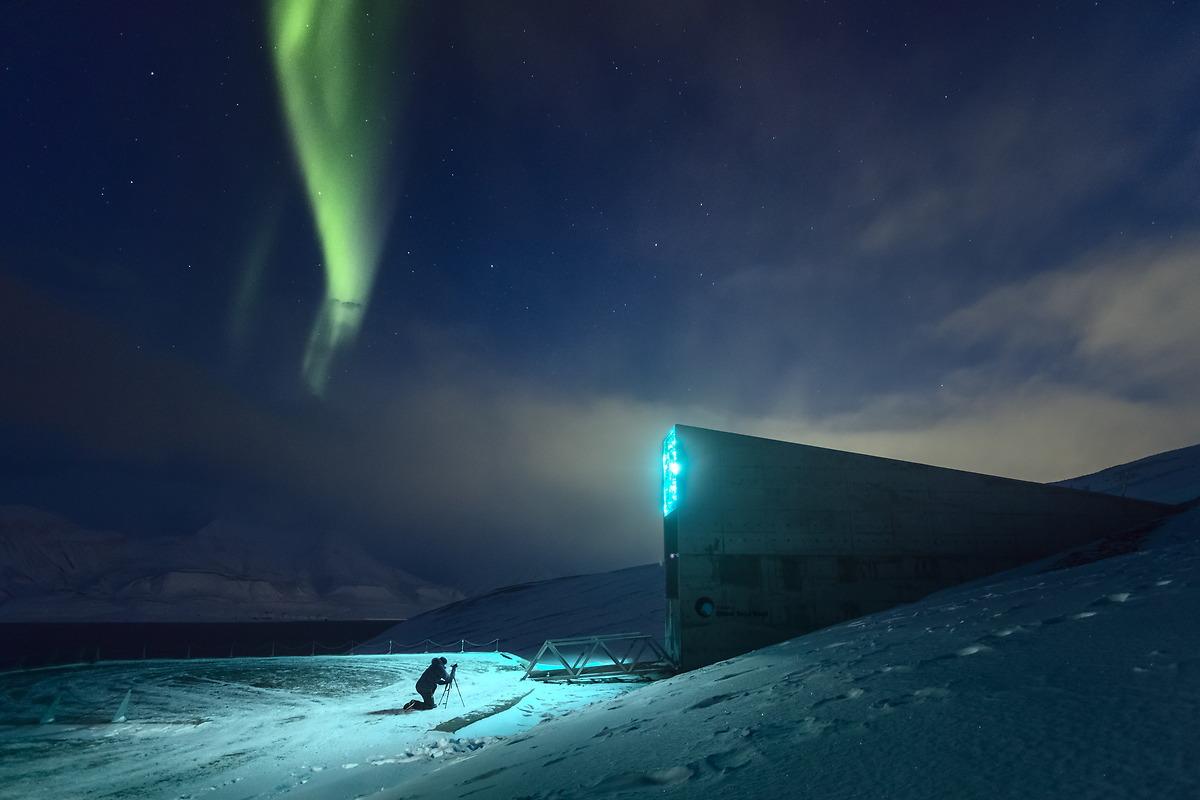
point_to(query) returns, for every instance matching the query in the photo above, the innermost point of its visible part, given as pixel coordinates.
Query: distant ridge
(524, 615)
(52, 570)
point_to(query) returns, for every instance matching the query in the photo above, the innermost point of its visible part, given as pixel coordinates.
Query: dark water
(38, 644)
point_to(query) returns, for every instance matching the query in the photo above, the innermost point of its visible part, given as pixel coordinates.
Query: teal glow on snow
(672, 469)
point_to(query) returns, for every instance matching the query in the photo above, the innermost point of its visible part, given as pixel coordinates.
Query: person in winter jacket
(435, 675)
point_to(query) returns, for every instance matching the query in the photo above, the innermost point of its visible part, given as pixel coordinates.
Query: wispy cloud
(999, 163)
(1124, 317)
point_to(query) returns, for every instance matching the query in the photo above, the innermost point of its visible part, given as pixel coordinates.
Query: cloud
(1126, 316)
(1068, 371)
(1040, 140)
(519, 477)
(460, 472)
(1041, 431)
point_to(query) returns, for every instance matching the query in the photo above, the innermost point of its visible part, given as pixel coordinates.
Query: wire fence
(268, 649)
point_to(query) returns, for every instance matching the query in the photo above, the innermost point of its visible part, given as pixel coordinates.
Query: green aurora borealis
(333, 63)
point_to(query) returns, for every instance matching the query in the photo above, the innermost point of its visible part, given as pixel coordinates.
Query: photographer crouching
(435, 675)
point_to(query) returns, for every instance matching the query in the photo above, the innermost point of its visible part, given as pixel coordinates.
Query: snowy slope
(523, 616)
(1171, 477)
(1081, 682)
(51, 569)
(250, 728)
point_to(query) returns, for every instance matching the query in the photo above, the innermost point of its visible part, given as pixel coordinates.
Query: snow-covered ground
(1082, 682)
(255, 728)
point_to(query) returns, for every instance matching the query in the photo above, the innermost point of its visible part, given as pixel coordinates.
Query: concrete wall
(772, 539)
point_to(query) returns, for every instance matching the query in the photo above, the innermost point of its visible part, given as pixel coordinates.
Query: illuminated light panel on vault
(672, 469)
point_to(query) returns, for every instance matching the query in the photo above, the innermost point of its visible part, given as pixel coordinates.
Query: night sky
(958, 233)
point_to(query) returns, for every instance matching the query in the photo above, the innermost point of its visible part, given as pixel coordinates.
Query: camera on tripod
(453, 682)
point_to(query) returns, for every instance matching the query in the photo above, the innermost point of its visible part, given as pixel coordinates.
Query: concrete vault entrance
(766, 540)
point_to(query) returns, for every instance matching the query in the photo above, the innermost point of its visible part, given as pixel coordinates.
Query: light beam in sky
(333, 63)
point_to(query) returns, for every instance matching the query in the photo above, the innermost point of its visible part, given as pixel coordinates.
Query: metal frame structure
(640, 655)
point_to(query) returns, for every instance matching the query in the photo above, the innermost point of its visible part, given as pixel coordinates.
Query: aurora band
(333, 64)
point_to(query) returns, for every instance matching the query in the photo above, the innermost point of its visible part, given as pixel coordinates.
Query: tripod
(445, 701)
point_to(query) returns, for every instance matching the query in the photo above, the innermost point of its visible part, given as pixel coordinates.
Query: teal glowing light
(672, 463)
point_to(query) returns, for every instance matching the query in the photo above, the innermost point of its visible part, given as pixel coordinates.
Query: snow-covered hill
(523, 616)
(1171, 477)
(53, 570)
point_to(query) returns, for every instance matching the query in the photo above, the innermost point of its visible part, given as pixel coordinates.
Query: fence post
(314, 648)
(143, 651)
(189, 651)
(231, 651)
(389, 647)
(462, 645)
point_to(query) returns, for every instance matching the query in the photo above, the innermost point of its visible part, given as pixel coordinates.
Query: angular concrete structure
(766, 540)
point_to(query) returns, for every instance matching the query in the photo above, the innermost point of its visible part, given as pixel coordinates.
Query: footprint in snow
(711, 701)
(636, 780)
(972, 649)
(729, 760)
(483, 776)
(607, 732)
(889, 668)
(851, 694)
(1113, 599)
(925, 695)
